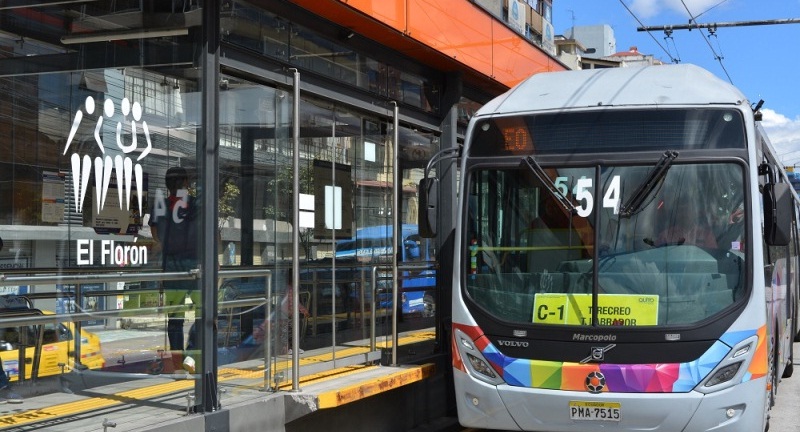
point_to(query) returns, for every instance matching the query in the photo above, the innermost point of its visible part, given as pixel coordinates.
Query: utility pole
(713, 26)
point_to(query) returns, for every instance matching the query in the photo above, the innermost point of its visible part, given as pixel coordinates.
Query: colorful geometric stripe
(622, 378)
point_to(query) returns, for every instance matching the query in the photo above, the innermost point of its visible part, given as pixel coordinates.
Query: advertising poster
(53, 196)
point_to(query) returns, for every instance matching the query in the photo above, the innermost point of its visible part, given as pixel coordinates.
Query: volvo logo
(509, 343)
(598, 353)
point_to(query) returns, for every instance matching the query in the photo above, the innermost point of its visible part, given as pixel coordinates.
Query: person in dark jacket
(176, 234)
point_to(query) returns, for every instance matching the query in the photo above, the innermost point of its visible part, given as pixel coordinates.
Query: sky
(760, 60)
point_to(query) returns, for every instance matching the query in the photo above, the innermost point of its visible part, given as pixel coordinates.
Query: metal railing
(395, 297)
(112, 277)
(251, 301)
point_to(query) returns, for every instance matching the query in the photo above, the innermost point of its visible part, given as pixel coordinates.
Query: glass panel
(89, 166)
(412, 89)
(675, 259)
(417, 259)
(89, 132)
(315, 53)
(255, 231)
(519, 240)
(246, 26)
(349, 157)
(343, 185)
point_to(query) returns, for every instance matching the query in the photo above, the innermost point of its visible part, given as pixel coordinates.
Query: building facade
(600, 38)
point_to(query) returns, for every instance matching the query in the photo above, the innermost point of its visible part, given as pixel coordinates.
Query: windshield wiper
(538, 171)
(655, 175)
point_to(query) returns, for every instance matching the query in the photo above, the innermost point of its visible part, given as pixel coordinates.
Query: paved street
(127, 347)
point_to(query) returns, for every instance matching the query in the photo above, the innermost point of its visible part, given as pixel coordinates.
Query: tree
(230, 193)
(280, 191)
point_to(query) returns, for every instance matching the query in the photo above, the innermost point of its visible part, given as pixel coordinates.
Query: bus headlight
(474, 361)
(724, 374)
(732, 368)
(480, 366)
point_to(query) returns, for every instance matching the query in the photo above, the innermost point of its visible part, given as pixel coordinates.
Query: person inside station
(175, 233)
(282, 321)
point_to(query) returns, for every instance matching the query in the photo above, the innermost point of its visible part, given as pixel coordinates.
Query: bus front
(603, 274)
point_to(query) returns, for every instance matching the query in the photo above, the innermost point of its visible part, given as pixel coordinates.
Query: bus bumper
(481, 405)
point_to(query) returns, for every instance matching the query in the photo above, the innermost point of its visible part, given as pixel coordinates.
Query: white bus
(626, 255)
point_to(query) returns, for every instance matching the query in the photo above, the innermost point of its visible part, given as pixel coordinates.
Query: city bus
(372, 246)
(626, 252)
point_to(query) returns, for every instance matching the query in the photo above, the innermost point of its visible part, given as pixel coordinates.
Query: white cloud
(646, 9)
(784, 133)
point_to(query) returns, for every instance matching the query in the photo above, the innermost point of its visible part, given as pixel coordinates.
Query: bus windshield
(677, 258)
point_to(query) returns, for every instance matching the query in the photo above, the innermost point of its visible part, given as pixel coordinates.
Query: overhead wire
(649, 33)
(692, 20)
(717, 55)
(707, 10)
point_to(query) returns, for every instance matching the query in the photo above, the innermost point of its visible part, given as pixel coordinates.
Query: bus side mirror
(777, 214)
(428, 191)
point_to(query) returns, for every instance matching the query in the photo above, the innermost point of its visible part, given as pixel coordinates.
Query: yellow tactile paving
(94, 403)
(406, 340)
(328, 399)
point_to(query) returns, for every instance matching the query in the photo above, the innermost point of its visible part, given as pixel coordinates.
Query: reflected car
(57, 347)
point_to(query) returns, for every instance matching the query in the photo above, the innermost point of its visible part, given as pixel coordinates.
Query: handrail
(96, 277)
(125, 277)
(99, 277)
(17, 321)
(193, 274)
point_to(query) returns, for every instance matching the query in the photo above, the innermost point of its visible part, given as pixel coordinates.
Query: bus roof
(682, 84)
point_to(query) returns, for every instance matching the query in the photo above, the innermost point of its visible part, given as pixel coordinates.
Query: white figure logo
(123, 167)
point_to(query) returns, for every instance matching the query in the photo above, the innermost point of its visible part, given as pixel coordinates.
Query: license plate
(602, 411)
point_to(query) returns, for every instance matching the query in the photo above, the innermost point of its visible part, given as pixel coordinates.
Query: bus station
(170, 165)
